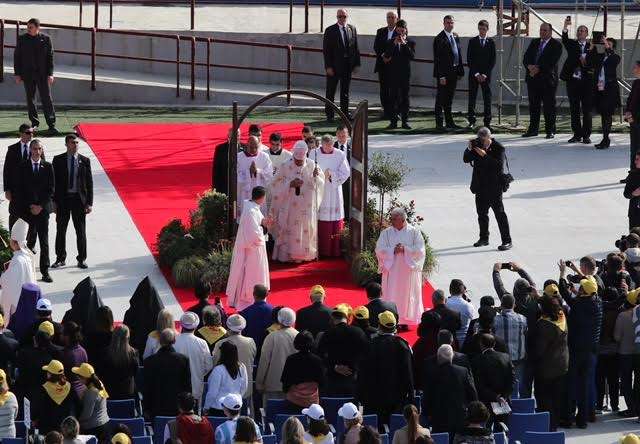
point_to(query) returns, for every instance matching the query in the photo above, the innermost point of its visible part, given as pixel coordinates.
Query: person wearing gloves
(54, 401)
(319, 431)
(93, 418)
(231, 404)
(197, 350)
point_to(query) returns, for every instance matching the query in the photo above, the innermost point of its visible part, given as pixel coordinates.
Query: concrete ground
(251, 18)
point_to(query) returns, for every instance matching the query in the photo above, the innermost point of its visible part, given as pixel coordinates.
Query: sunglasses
(27, 132)
(342, 16)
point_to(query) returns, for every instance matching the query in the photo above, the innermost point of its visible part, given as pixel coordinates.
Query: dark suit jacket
(11, 174)
(379, 47)
(493, 374)
(481, 60)
(85, 179)
(377, 306)
(548, 61)
(399, 67)
(572, 61)
(443, 58)
(315, 318)
(166, 374)
(608, 100)
(8, 348)
(36, 189)
(487, 170)
(334, 49)
(633, 101)
(220, 167)
(33, 57)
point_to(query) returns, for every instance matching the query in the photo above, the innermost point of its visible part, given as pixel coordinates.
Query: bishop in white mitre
(254, 169)
(400, 251)
(249, 263)
(297, 191)
(333, 163)
(20, 271)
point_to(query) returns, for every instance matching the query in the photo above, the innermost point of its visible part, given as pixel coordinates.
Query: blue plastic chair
(440, 438)
(396, 422)
(523, 405)
(331, 407)
(142, 440)
(136, 425)
(159, 422)
(370, 420)
(122, 408)
(269, 439)
(543, 438)
(500, 438)
(21, 429)
(519, 423)
(280, 420)
(92, 440)
(14, 441)
(216, 420)
(274, 407)
(384, 438)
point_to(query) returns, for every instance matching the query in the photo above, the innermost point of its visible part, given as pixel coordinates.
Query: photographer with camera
(486, 156)
(607, 91)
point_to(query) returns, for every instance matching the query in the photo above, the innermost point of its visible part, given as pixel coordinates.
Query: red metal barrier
(93, 59)
(1, 50)
(177, 65)
(193, 68)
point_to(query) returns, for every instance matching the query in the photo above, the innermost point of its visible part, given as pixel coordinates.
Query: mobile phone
(569, 19)
(568, 263)
(505, 266)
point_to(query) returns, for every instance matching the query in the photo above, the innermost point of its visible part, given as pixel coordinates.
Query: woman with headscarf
(93, 417)
(97, 342)
(19, 272)
(84, 306)
(73, 354)
(141, 317)
(303, 374)
(54, 401)
(164, 320)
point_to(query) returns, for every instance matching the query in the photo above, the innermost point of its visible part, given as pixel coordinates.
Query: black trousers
(384, 93)
(607, 121)
(342, 75)
(486, 99)
(634, 142)
(399, 100)
(542, 96)
(39, 229)
(71, 207)
(42, 85)
(608, 375)
(484, 202)
(580, 104)
(12, 220)
(630, 380)
(551, 395)
(444, 99)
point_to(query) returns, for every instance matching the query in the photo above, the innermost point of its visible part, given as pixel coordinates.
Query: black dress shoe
(603, 145)
(392, 125)
(454, 127)
(481, 243)
(505, 247)
(530, 134)
(53, 131)
(623, 180)
(406, 126)
(574, 139)
(550, 136)
(440, 129)
(586, 140)
(58, 264)
(82, 264)
(46, 278)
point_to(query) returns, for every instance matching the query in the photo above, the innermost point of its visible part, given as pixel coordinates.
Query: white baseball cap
(43, 305)
(348, 411)
(236, 323)
(189, 320)
(232, 401)
(314, 412)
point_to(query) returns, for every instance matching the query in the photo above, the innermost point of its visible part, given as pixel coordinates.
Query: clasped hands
(35, 209)
(533, 70)
(399, 249)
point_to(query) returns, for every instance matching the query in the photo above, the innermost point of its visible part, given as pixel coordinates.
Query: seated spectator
(352, 418)
(246, 431)
(97, 341)
(369, 435)
(228, 377)
(54, 400)
(31, 359)
(458, 301)
(43, 313)
(410, 432)
(225, 432)
(165, 320)
(258, 316)
(93, 417)
(73, 354)
(315, 318)
(188, 427)
(319, 431)
(476, 431)
(303, 375)
(212, 330)
(486, 319)
(8, 347)
(376, 304)
(122, 433)
(54, 437)
(70, 431)
(121, 438)
(8, 409)
(361, 320)
(120, 365)
(292, 432)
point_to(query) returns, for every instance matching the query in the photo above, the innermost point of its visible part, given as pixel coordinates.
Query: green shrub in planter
(364, 268)
(209, 220)
(5, 252)
(172, 243)
(217, 269)
(189, 270)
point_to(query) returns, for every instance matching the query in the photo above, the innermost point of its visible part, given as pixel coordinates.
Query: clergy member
(250, 264)
(331, 213)
(254, 169)
(297, 191)
(400, 251)
(276, 152)
(19, 272)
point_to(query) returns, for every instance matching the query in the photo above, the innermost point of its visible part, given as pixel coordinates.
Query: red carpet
(158, 171)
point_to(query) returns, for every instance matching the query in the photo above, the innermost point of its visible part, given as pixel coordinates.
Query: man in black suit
(341, 59)
(35, 194)
(316, 317)
(447, 69)
(377, 305)
(541, 62)
(578, 75)
(397, 58)
(383, 35)
(73, 198)
(481, 58)
(343, 143)
(16, 155)
(33, 66)
(220, 167)
(449, 320)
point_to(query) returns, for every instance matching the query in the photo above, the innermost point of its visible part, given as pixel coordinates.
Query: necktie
(341, 147)
(25, 152)
(72, 172)
(35, 168)
(482, 42)
(540, 49)
(454, 48)
(345, 39)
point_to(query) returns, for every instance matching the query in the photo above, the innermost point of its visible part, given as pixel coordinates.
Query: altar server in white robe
(21, 269)
(254, 169)
(331, 213)
(249, 263)
(400, 251)
(297, 191)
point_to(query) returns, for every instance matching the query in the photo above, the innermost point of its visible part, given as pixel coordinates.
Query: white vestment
(295, 217)
(21, 271)
(402, 272)
(278, 159)
(250, 263)
(332, 205)
(247, 182)
(200, 360)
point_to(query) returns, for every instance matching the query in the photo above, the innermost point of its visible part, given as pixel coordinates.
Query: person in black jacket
(632, 192)
(632, 115)
(541, 62)
(607, 91)
(73, 198)
(486, 156)
(481, 58)
(397, 58)
(35, 195)
(383, 35)
(376, 304)
(316, 317)
(220, 167)
(341, 59)
(578, 75)
(16, 155)
(33, 66)
(303, 367)
(447, 69)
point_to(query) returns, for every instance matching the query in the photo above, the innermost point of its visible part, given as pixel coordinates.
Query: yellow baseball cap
(362, 312)
(631, 438)
(120, 438)
(55, 367)
(85, 370)
(46, 327)
(3, 376)
(589, 285)
(632, 296)
(345, 309)
(317, 289)
(387, 319)
(551, 290)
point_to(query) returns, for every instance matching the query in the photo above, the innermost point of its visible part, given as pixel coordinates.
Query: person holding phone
(397, 58)
(607, 91)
